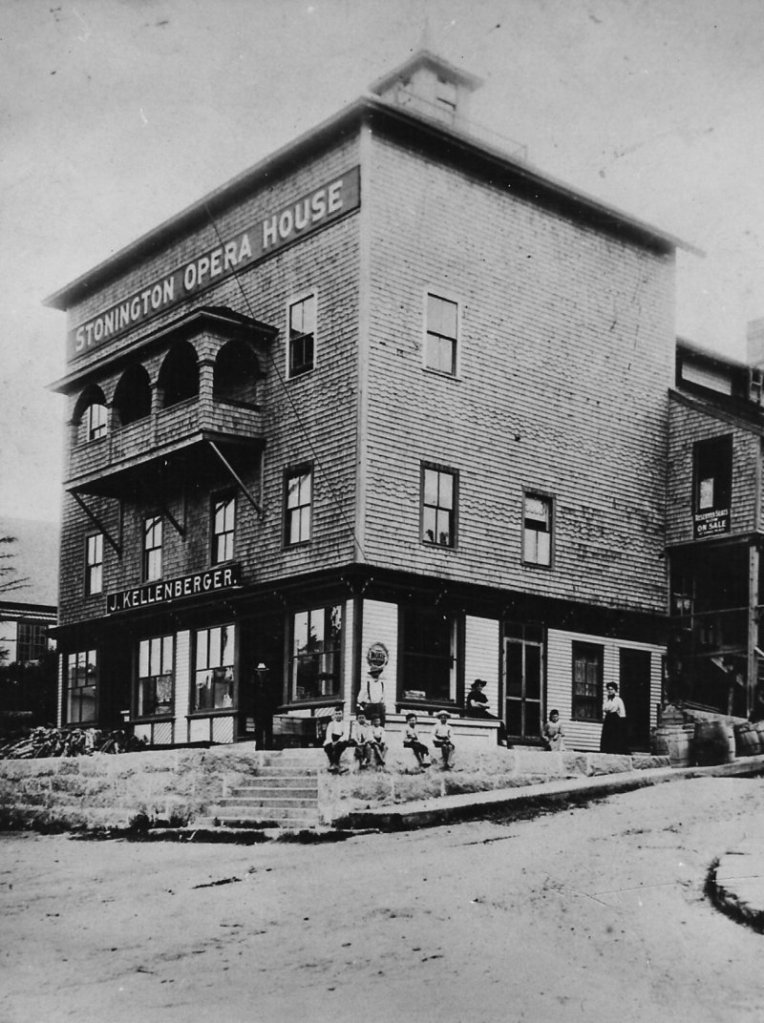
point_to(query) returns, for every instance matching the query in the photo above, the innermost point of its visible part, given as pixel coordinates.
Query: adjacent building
(393, 400)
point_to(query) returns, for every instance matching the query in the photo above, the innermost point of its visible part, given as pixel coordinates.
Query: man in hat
(476, 706)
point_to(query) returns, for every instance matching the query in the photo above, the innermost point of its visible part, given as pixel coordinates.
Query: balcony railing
(162, 432)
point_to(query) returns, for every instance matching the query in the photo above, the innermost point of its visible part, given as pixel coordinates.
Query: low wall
(179, 786)
(111, 791)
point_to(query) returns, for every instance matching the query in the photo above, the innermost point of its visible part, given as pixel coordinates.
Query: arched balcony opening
(179, 375)
(236, 374)
(132, 398)
(91, 415)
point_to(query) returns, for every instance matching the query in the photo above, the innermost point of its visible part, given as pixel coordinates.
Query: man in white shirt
(337, 738)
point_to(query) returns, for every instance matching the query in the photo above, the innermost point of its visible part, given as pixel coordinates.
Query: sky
(117, 114)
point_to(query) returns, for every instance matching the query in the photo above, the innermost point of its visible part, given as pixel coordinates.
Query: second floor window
(152, 548)
(94, 564)
(537, 530)
(223, 524)
(442, 334)
(299, 504)
(302, 335)
(438, 506)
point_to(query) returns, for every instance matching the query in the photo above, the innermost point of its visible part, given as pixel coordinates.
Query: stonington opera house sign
(173, 589)
(318, 208)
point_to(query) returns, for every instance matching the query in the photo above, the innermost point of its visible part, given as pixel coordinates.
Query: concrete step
(301, 787)
(274, 820)
(273, 803)
(273, 771)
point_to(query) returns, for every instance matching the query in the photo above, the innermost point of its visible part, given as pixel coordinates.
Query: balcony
(114, 464)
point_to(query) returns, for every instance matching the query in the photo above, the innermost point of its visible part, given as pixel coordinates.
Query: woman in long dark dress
(476, 706)
(613, 739)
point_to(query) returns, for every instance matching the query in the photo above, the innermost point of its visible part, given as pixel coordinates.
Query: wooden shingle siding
(687, 426)
(566, 357)
(584, 735)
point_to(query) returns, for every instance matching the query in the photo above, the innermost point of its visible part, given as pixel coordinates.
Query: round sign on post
(377, 657)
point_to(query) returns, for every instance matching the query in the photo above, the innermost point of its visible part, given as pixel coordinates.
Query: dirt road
(594, 913)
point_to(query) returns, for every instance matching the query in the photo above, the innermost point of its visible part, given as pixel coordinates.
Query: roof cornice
(316, 139)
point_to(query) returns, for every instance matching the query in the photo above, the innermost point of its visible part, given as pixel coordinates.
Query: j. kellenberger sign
(307, 214)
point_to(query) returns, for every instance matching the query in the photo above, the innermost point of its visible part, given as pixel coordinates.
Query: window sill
(317, 704)
(147, 719)
(442, 374)
(213, 712)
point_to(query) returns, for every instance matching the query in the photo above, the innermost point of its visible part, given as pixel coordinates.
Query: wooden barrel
(675, 742)
(747, 740)
(714, 743)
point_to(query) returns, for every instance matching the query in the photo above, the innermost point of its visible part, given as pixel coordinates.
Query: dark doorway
(635, 692)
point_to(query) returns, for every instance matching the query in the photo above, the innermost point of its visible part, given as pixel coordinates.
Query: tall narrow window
(439, 493)
(94, 564)
(537, 530)
(95, 421)
(214, 673)
(299, 503)
(316, 649)
(586, 703)
(152, 548)
(155, 676)
(713, 485)
(442, 334)
(81, 682)
(223, 524)
(302, 335)
(429, 640)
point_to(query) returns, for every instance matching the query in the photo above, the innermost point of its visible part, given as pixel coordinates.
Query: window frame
(305, 469)
(163, 641)
(444, 296)
(95, 430)
(94, 564)
(229, 678)
(548, 500)
(300, 299)
(150, 554)
(36, 641)
(453, 512)
(408, 658)
(220, 501)
(578, 650)
(324, 658)
(91, 682)
(710, 448)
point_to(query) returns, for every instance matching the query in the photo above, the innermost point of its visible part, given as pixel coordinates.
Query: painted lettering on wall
(173, 589)
(313, 211)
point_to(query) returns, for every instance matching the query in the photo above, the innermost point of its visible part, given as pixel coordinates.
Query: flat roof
(426, 130)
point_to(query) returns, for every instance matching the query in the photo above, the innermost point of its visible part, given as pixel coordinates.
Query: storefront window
(429, 655)
(316, 651)
(155, 676)
(214, 674)
(81, 681)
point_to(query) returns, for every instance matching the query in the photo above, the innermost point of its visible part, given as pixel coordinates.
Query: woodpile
(69, 742)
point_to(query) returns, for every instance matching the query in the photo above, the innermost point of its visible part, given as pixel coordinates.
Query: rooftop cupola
(430, 86)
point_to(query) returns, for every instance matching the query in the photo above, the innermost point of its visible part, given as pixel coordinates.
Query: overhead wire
(295, 410)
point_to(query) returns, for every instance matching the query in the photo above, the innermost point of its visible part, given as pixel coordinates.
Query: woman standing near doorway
(613, 738)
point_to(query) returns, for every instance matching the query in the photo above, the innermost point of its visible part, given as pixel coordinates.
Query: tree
(9, 581)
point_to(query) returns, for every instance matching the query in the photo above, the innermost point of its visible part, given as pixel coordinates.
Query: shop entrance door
(523, 678)
(635, 692)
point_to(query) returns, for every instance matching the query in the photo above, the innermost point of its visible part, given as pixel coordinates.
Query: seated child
(377, 744)
(411, 741)
(361, 734)
(337, 738)
(552, 732)
(441, 739)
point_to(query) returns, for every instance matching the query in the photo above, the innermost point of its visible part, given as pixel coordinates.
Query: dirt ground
(593, 913)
